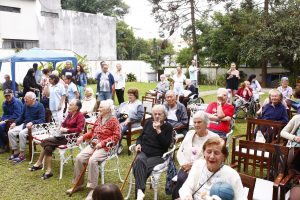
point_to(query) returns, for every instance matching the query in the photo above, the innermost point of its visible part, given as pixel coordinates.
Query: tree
(125, 41)
(114, 8)
(184, 56)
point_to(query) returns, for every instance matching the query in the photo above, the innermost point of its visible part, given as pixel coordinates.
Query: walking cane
(122, 187)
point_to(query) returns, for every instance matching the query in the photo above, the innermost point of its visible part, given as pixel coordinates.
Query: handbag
(123, 117)
(171, 172)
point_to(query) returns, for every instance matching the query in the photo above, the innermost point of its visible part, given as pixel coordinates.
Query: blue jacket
(277, 113)
(181, 114)
(34, 114)
(81, 79)
(12, 110)
(111, 81)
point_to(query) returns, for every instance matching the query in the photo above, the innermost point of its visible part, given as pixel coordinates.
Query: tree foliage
(115, 8)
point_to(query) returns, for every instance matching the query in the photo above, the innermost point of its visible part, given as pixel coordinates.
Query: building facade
(42, 23)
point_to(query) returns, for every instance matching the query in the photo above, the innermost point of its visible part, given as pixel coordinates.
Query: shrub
(221, 80)
(131, 77)
(91, 81)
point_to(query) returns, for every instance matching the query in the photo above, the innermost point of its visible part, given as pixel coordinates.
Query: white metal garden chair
(46, 130)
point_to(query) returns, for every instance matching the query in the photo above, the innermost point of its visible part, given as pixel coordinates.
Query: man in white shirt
(193, 73)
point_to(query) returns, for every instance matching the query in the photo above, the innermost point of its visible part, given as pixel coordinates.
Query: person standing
(29, 83)
(81, 80)
(67, 70)
(37, 74)
(232, 80)
(8, 83)
(119, 83)
(105, 82)
(178, 80)
(57, 96)
(72, 91)
(193, 73)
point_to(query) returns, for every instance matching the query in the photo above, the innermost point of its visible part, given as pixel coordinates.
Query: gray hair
(161, 108)
(170, 92)
(221, 91)
(30, 95)
(55, 72)
(108, 104)
(90, 90)
(203, 116)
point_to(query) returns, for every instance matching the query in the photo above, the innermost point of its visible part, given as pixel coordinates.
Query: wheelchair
(247, 109)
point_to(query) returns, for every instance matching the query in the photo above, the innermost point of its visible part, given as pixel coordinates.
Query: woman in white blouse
(205, 173)
(119, 83)
(88, 102)
(178, 80)
(191, 148)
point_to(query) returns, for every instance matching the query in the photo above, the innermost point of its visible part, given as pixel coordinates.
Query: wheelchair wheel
(241, 113)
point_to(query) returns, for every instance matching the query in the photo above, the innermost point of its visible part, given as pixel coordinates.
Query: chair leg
(155, 180)
(128, 138)
(32, 153)
(102, 166)
(130, 186)
(118, 169)
(62, 162)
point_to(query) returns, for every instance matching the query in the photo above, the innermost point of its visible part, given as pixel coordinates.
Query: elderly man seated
(12, 109)
(274, 109)
(33, 113)
(177, 114)
(220, 114)
(190, 148)
(154, 141)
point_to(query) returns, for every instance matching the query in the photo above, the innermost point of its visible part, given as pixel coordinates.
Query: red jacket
(241, 91)
(108, 132)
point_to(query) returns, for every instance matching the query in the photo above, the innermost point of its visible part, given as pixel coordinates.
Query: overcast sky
(140, 19)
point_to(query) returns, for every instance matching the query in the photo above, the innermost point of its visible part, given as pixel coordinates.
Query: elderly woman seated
(88, 102)
(243, 95)
(106, 130)
(153, 142)
(190, 149)
(188, 91)
(131, 111)
(212, 171)
(74, 123)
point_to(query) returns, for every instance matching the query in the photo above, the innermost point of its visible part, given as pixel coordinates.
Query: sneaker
(140, 195)
(19, 159)
(120, 149)
(13, 156)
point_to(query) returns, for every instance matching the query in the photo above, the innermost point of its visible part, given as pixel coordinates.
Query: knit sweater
(289, 131)
(154, 144)
(199, 175)
(108, 132)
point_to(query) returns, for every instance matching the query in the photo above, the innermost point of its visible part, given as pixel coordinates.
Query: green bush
(221, 80)
(91, 81)
(131, 77)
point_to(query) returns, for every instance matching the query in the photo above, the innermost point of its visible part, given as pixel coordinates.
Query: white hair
(56, 73)
(31, 95)
(161, 108)
(203, 116)
(108, 104)
(90, 90)
(222, 90)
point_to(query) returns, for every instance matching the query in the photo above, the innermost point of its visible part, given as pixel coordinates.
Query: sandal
(13, 156)
(47, 176)
(34, 168)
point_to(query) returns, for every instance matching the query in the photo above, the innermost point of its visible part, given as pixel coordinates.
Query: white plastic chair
(46, 130)
(156, 173)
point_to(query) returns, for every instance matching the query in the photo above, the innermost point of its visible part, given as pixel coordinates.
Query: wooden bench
(266, 162)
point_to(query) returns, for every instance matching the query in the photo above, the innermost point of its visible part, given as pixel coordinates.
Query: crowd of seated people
(201, 155)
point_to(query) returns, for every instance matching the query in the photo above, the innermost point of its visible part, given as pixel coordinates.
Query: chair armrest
(233, 165)
(110, 144)
(278, 179)
(238, 136)
(169, 152)
(286, 179)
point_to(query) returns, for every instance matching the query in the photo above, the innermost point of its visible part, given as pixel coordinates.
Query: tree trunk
(264, 74)
(194, 36)
(264, 61)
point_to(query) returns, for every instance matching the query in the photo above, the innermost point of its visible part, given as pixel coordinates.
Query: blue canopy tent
(37, 55)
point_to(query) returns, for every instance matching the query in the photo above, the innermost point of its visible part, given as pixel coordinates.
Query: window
(49, 14)
(10, 9)
(22, 44)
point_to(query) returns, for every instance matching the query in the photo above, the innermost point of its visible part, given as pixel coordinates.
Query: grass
(18, 183)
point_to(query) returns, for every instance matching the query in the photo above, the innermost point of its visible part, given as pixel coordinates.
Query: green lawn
(18, 183)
